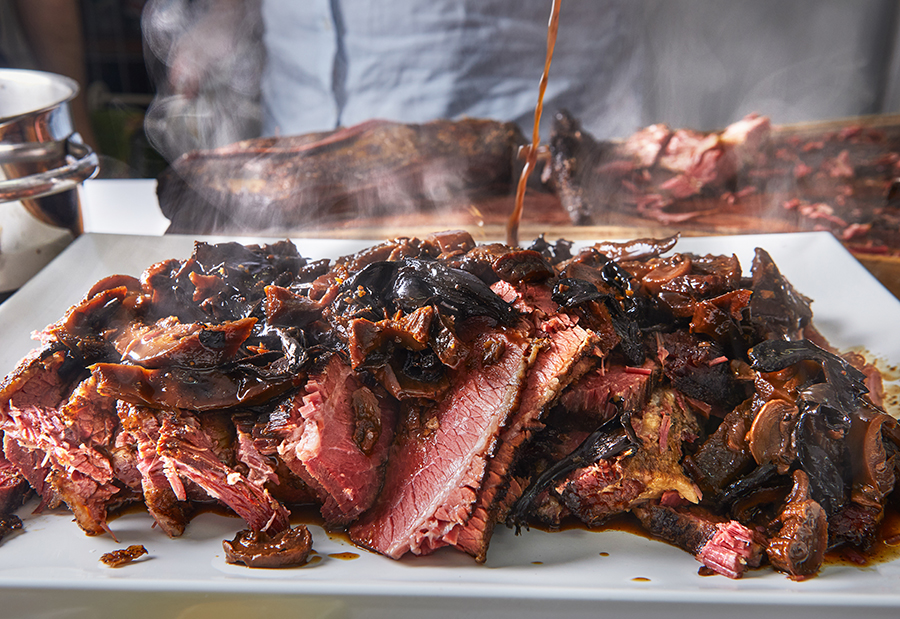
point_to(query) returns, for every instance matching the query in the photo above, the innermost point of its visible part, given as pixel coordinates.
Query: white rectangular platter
(52, 569)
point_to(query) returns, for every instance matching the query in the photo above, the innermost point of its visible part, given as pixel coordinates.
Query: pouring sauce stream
(531, 151)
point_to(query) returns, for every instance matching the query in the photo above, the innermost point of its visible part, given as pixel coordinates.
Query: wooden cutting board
(544, 215)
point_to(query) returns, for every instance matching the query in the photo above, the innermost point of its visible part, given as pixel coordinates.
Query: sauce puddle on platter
(885, 549)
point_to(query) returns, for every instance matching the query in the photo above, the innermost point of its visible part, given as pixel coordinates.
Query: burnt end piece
(8, 524)
(14, 487)
(689, 531)
(723, 457)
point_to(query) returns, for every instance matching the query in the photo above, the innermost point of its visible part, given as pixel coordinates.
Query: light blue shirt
(341, 62)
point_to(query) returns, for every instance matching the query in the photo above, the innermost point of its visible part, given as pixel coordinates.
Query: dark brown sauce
(340, 535)
(125, 510)
(344, 556)
(640, 579)
(627, 523)
(531, 151)
(192, 511)
(306, 514)
(885, 549)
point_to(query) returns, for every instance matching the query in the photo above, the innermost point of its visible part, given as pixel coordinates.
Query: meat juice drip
(531, 151)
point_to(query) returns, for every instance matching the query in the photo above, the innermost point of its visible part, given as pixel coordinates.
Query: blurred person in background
(320, 64)
(233, 69)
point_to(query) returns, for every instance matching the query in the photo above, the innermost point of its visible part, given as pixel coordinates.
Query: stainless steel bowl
(41, 155)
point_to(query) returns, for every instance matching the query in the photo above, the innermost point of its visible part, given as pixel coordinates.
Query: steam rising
(205, 58)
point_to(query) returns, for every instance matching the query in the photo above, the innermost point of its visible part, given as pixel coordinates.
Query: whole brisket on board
(378, 167)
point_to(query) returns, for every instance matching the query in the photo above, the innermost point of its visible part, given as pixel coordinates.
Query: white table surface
(122, 206)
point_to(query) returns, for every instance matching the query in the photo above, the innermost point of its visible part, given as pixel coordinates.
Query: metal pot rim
(68, 90)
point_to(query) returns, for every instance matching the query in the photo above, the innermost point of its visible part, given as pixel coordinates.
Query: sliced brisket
(58, 441)
(438, 466)
(188, 452)
(630, 387)
(140, 435)
(565, 355)
(335, 435)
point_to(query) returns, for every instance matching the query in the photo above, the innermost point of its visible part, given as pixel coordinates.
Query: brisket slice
(57, 441)
(44, 377)
(256, 452)
(589, 397)
(140, 432)
(336, 434)
(188, 452)
(564, 352)
(83, 475)
(35, 383)
(181, 461)
(438, 467)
